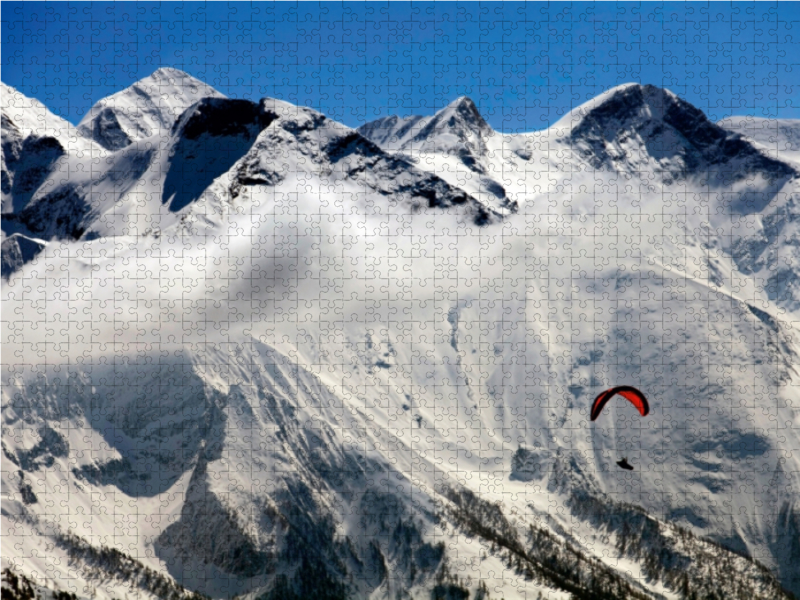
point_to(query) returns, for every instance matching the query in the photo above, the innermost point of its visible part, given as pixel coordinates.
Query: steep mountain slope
(142, 188)
(766, 247)
(455, 143)
(650, 131)
(458, 129)
(150, 105)
(276, 487)
(743, 189)
(304, 366)
(36, 144)
(393, 133)
(780, 137)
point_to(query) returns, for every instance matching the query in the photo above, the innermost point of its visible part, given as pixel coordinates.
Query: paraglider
(632, 395)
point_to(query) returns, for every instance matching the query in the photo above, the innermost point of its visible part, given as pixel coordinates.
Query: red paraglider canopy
(631, 394)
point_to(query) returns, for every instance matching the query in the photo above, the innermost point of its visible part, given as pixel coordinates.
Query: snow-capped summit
(302, 143)
(644, 128)
(148, 106)
(458, 129)
(455, 143)
(390, 133)
(36, 143)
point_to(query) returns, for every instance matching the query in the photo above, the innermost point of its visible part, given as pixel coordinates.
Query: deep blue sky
(523, 64)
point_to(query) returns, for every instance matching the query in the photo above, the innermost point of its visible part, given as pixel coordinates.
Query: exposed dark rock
(672, 130)
(210, 137)
(18, 250)
(106, 130)
(50, 446)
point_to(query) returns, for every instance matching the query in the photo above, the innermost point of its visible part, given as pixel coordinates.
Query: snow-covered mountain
(780, 137)
(649, 131)
(258, 353)
(455, 143)
(36, 146)
(143, 109)
(458, 129)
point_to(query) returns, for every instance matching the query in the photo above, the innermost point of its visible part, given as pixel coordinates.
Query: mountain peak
(463, 101)
(452, 129)
(393, 132)
(146, 107)
(645, 128)
(617, 103)
(170, 75)
(34, 142)
(458, 128)
(167, 72)
(465, 110)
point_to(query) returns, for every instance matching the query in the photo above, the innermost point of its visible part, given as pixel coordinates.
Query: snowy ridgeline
(249, 351)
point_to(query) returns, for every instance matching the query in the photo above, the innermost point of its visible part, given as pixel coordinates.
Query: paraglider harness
(624, 464)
